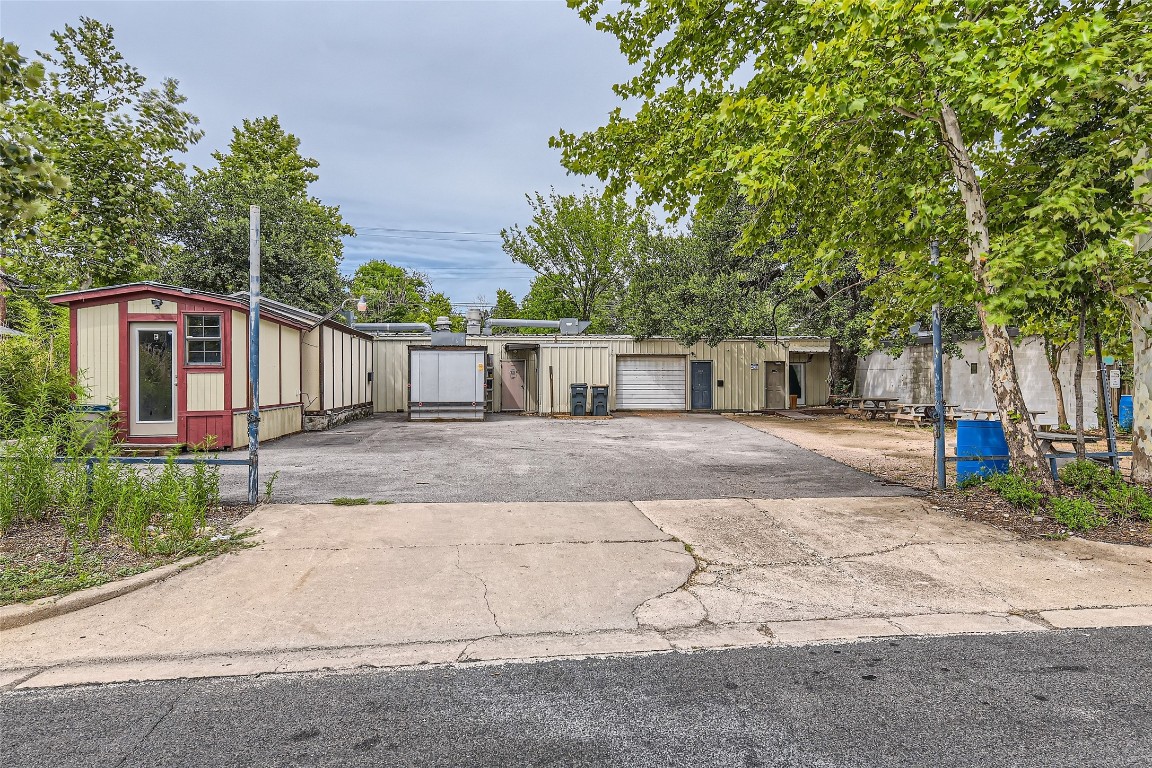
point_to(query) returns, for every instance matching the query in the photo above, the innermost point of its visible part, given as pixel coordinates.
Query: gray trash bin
(579, 400)
(600, 400)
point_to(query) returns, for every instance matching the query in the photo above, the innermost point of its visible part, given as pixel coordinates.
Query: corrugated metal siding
(274, 422)
(289, 365)
(327, 366)
(310, 370)
(205, 391)
(98, 352)
(269, 363)
(239, 360)
(591, 360)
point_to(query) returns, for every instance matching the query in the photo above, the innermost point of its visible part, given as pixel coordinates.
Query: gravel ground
(904, 455)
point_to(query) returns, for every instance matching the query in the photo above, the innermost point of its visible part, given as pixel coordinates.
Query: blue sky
(429, 119)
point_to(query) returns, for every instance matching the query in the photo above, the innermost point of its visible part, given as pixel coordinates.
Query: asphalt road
(1035, 699)
(521, 458)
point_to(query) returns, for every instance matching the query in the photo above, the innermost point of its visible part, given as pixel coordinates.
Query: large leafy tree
(885, 126)
(582, 246)
(397, 295)
(116, 140)
(27, 177)
(300, 237)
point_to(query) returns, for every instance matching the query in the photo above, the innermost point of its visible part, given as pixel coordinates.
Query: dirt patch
(903, 454)
(37, 559)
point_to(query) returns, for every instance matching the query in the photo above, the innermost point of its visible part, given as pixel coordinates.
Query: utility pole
(938, 377)
(253, 354)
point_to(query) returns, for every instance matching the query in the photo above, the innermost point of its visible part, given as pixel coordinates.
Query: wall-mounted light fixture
(157, 303)
(362, 305)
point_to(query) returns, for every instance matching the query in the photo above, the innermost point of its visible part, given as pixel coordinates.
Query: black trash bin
(600, 400)
(579, 399)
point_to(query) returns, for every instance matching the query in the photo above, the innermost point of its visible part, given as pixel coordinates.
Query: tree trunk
(1019, 431)
(1053, 354)
(1140, 310)
(1078, 385)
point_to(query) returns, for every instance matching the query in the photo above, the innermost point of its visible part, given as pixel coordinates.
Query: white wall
(909, 377)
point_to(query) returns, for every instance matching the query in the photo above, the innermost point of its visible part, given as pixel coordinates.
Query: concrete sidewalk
(343, 587)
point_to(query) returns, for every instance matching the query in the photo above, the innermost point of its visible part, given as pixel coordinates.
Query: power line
(428, 239)
(425, 231)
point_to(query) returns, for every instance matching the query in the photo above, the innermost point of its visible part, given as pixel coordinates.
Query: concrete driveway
(520, 458)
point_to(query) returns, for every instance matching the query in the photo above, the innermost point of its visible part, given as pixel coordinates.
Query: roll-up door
(650, 383)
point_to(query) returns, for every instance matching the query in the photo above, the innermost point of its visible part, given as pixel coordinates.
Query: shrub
(1088, 476)
(1017, 489)
(1077, 514)
(1123, 500)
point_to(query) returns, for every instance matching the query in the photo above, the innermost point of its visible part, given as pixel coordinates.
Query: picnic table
(870, 407)
(917, 413)
(1047, 441)
(991, 414)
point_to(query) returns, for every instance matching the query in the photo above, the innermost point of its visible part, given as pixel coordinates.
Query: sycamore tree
(885, 126)
(581, 247)
(116, 140)
(300, 237)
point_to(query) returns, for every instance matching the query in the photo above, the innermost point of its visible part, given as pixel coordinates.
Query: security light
(362, 305)
(157, 303)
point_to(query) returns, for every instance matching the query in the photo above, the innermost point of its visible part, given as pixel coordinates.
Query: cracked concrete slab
(398, 585)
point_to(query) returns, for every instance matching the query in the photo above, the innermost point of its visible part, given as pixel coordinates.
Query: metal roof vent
(443, 323)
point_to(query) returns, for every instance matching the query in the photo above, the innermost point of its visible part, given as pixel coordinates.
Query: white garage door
(650, 383)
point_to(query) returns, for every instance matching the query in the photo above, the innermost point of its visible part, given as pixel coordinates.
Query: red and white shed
(173, 362)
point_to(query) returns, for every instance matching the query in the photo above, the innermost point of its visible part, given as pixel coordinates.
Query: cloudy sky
(430, 119)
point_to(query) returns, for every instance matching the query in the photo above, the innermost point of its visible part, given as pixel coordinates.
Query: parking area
(519, 458)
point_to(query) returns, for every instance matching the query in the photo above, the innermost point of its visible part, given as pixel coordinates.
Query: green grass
(1018, 490)
(383, 501)
(345, 501)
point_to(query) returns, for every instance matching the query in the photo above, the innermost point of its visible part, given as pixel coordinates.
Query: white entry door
(152, 410)
(650, 383)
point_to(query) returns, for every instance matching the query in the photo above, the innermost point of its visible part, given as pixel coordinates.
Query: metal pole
(1109, 427)
(938, 380)
(253, 354)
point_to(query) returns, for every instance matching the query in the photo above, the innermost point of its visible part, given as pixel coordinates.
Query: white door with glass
(152, 410)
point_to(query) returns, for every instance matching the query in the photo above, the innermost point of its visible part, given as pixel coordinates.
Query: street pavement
(1070, 698)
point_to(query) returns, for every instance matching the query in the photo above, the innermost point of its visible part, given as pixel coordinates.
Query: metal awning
(516, 346)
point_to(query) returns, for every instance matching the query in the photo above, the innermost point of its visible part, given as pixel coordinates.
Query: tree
(581, 246)
(300, 237)
(28, 179)
(886, 126)
(116, 140)
(393, 294)
(506, 307)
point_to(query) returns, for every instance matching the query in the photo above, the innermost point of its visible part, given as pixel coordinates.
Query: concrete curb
(21, 614)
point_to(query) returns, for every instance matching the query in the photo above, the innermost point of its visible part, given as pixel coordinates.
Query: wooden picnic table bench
(991, 414)
(917, 413)
(870, 407)
(1048, 440)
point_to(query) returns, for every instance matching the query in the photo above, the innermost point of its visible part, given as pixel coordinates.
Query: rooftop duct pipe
(568, 326)
(393, 327)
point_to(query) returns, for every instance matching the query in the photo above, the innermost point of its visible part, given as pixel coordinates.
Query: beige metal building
(532, 373)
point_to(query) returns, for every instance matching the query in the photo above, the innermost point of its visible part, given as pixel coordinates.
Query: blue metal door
(701, 385)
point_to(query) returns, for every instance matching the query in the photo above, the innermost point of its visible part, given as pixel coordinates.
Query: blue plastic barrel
(1125, 417)
(980, 438)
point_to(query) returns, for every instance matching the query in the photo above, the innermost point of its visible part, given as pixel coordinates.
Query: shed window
(202, 344)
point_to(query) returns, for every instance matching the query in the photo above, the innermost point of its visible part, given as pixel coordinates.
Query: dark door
(701, 385)
(774, 385)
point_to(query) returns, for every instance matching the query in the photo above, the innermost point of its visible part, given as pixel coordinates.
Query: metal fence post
(254, 354)
(938, 380)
